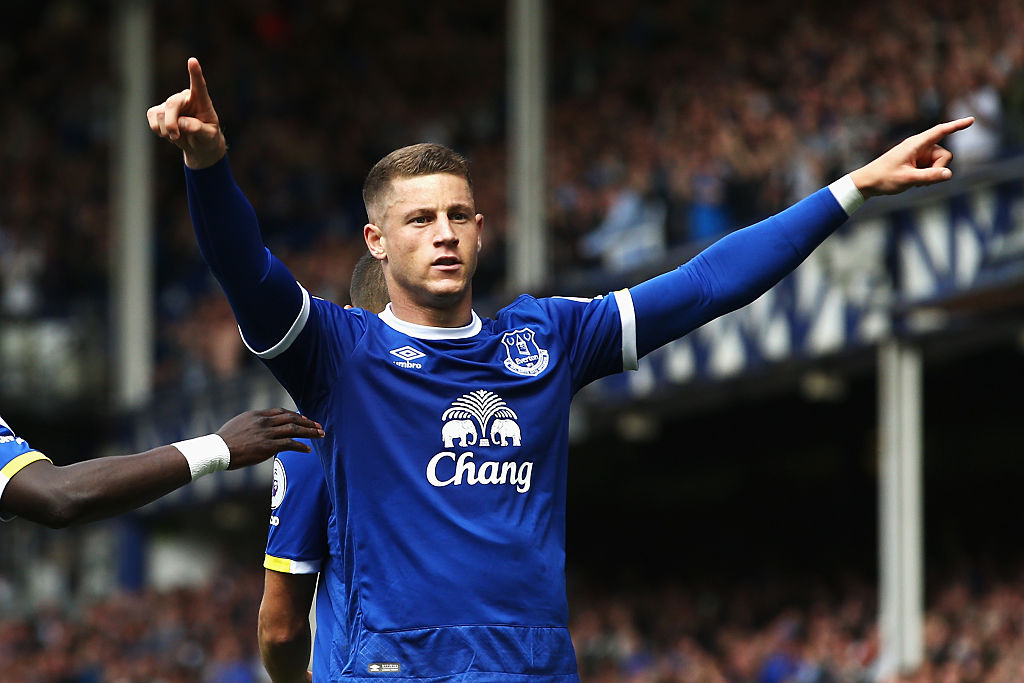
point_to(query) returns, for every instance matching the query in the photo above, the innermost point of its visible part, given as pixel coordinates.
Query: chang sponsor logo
(480, 418)
(466, 471)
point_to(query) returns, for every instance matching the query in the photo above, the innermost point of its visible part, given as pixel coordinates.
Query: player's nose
(444, 233)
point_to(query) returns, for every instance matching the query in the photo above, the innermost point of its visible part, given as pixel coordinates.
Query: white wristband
(205, 454)
(847, 194)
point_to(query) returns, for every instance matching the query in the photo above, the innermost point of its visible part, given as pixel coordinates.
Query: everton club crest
(522, 355)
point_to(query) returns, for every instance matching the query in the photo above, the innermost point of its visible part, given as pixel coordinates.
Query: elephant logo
(504, 432)
(469, 417)
(522, 354)
(462, 430)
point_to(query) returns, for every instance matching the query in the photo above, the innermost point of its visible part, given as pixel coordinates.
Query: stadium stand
(662, 114)
(714, 135)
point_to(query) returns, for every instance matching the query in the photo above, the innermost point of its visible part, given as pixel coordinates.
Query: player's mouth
(447, 263)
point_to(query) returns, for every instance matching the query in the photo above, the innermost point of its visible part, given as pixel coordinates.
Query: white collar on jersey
(426, 332)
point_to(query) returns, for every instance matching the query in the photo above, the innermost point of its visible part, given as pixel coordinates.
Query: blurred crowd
(669, 123)
(191, 635)
(794, 631)
(767, 631)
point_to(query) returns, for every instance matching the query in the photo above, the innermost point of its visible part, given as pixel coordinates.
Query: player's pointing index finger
(936, 133)
(197, 83)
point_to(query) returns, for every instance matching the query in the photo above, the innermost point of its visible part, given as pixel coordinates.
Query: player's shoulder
(523, 304)
(527, 305)
(10, 444)
(337, 321)
(5, 429)
(330, 310)
(358, 321)
(14, 451)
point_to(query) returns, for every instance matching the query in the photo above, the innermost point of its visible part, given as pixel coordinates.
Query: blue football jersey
(303, 539)
(15, 454)
(446, 457)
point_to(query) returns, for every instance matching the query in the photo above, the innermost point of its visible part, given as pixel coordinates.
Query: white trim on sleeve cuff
(847, 194)
(627, 317)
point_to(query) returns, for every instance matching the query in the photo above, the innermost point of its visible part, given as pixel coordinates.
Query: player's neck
(416, 313)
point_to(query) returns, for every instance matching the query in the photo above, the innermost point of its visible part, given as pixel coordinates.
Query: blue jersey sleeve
(732, 272)
(301, 338)
(15, 455)
(609, 334)
(265, 297)
(598, 334)
(300, 509)
(309, 365)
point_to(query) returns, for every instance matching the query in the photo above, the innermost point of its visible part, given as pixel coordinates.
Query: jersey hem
(468, 677)
(472, 625)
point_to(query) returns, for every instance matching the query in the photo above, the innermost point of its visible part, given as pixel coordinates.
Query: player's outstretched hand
(254, 436)
(918, 160)
(189, 120)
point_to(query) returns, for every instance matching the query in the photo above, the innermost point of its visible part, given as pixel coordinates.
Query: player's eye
(421, 220)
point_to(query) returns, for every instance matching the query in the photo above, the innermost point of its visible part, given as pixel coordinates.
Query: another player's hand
(918, 160)
(254, 436)
(189, 120)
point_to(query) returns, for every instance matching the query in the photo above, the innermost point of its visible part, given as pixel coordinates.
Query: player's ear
(374, 238)
(479, 231)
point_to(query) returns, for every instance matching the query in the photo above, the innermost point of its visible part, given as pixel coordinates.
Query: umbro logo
(407, 354)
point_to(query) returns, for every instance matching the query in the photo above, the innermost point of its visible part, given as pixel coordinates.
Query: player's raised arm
(264, 296)
(745, 264)
(59, 496)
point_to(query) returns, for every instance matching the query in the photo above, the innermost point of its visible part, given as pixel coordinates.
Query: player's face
(430, 234)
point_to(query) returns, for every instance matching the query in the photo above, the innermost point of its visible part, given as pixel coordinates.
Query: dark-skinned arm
(60, 496)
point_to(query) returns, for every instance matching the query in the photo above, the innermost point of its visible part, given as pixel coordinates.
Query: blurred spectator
(633, 231)
(21, 265)
(978, 97)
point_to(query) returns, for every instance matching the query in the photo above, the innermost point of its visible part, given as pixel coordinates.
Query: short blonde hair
(424, 158)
